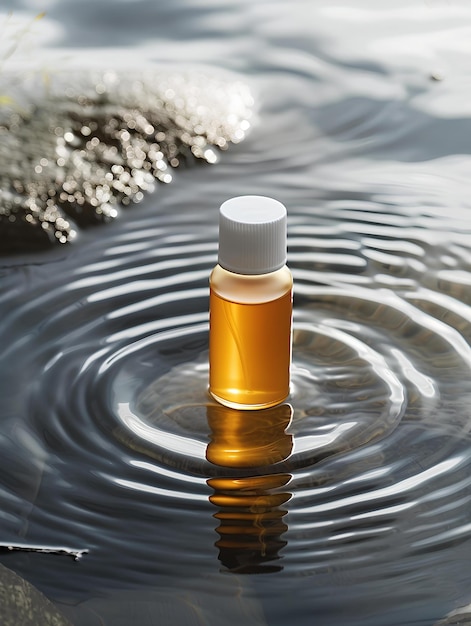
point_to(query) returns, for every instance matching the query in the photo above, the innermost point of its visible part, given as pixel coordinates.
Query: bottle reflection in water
(251, 514)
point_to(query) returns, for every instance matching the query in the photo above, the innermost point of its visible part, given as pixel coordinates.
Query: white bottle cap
(252, 235)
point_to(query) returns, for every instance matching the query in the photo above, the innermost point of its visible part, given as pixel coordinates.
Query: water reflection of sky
(406, 35)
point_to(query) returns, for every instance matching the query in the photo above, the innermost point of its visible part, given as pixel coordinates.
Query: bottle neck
(250, 288)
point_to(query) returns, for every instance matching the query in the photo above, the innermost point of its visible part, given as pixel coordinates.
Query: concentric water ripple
(354, 495)
(370, 445)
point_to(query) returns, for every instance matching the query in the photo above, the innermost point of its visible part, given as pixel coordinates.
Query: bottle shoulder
(251, 289)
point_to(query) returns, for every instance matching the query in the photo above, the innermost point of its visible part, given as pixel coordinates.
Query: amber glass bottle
(250, 306)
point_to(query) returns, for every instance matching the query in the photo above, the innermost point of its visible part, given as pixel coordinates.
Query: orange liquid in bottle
(250, 351)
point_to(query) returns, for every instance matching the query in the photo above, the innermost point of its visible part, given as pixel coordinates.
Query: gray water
(355, 509)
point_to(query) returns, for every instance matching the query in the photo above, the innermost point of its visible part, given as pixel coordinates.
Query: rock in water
(76, 154)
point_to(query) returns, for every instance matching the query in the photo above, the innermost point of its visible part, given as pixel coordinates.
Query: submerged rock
(21, 604)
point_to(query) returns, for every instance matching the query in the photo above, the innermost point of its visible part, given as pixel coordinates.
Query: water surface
(354, 508)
